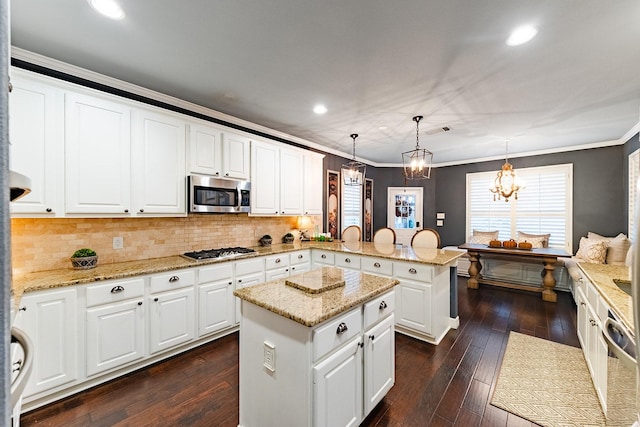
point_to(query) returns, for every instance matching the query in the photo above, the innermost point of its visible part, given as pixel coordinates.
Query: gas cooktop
(217, 253)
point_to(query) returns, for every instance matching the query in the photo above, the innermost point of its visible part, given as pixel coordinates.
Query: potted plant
(288, 238)
(84, 259)
(265, 240)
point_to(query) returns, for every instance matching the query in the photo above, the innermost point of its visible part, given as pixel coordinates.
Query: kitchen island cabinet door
(379, 362)
(115, 335)
(337, 387)
(97, 155)
(413, 306)
(171, 319)
(49, 318)
(158, 164)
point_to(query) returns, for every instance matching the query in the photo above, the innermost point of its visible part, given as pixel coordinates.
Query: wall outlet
(118, 243)
(269, 356)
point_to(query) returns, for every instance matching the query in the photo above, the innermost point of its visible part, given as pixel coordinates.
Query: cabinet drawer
(114, 291)
(348, 261)
(324, 257)
(276, 261)
(299, 257)
(379, 266)
(216, 273)
(174, 280)
(379, 308)
(250, 266)
(417, 272)
(337, 332)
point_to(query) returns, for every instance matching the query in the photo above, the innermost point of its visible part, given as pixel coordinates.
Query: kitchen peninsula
(324, 339)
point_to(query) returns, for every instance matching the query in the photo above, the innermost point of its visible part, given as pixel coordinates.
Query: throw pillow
(592, 250)
(529, 236)
(618, 247)
(482, 239)
(536, 242)
(492, 234)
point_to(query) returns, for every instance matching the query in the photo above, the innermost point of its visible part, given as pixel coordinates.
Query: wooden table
(549, 257)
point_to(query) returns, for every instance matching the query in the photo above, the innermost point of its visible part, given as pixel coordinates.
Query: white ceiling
(373, 63)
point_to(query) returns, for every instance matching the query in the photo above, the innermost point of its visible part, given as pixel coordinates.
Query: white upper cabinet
(158, 163)
(205, 150)
(217, 153)
(235, 156)
(276, 179)
(97, 155)
(313, 174)
(36, 113)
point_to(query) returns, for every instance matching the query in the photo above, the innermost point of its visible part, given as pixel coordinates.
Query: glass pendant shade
(353, 172)
(417, 162)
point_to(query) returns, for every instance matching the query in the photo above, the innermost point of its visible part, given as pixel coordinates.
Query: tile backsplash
(47, 244)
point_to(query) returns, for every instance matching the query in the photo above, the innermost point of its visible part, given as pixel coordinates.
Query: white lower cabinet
(300, 262)
(277, 266)
(171, 319)
(49, 318)
(216, 306)
(379, 362)
(115, 325)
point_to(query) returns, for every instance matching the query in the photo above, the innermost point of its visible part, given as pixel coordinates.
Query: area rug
(546, 383)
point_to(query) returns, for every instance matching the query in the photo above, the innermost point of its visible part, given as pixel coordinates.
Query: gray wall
(600, 197)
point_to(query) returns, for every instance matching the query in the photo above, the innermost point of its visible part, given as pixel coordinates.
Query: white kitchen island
(316, 349)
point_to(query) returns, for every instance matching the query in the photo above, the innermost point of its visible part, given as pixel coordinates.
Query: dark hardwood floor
(445, 385)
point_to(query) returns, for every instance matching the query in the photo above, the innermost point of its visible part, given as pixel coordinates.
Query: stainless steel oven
(208, 194)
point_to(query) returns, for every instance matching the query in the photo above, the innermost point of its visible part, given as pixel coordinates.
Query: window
(543, 206)
(351, 205)
(634, 174)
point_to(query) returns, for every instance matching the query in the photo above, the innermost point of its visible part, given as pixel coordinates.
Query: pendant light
(417, 163)
(353, 171)
(505, 184)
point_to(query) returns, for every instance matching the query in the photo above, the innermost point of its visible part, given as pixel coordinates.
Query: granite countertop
(310, 309)
(29, 282)
(602, 276)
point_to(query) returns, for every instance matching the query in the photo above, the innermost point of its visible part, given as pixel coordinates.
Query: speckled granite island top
(602, 276)
(310, 309)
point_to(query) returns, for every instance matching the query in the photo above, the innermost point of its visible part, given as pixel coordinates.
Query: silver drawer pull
(342, 328)
(173, 279)
(277, 260)
(413, 271)
(383, 305)
(300, 256)
(376, 264)
(117, 289)
(323, 256)
(347, 260)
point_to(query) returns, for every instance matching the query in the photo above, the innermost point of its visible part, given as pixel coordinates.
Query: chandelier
(417, 163)
(505, 184)
(353, 171)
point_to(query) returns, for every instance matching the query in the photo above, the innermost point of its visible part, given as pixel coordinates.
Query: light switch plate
(118, 243)
(269, 356)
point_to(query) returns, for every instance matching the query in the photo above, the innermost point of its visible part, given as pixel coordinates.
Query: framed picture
(333, 203)
(368, 210)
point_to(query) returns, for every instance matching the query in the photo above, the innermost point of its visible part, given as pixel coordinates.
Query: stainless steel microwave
(208, 194)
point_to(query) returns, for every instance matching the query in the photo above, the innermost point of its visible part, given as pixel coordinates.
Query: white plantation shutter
(351, 205)
(634, 174)
(543, 206)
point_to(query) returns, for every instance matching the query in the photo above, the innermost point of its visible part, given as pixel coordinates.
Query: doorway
(404, 212)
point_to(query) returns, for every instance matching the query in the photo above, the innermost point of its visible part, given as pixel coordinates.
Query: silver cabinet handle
(342, 328)
(347, 260)
(376, 264)
(323, 256)
(117, 289)
(383, 305)
(277, 260)
(173, 279)
(413, 271)
(300, 256)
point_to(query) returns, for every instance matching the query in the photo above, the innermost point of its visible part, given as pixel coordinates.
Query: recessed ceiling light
(108, 8)
(522, 35)
(319, 109)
